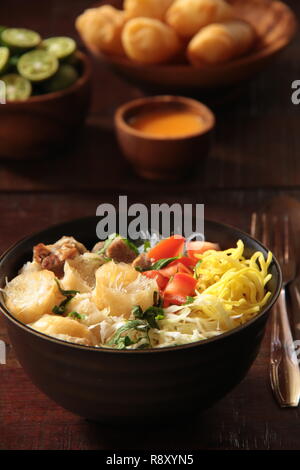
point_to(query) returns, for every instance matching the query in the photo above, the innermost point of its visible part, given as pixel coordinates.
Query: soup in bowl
(149, 331)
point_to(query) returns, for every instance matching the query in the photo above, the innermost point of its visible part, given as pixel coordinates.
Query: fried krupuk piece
(150, 41)
(101, 28)
(119, 287)
(187, 17)
(219, 43)
(147, 8)
(32, 294)
(64, 328)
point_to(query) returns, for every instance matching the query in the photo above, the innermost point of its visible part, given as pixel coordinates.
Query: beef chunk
(119, 251)
(142, 261)
(53, 257)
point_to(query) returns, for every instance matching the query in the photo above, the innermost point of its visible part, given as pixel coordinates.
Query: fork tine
(259, 227)
(279, 240)
(275, 232)
(265, 231)
(287, 238)
(285, 251)
(253, 227)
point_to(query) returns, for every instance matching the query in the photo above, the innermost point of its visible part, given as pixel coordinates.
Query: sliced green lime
(20, 38)
(37, 65)
(2, 28)
(17, 87)
(64, 77)
(4, 58)
(62, 47)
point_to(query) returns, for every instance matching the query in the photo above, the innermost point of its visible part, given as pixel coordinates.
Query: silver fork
(275, 233)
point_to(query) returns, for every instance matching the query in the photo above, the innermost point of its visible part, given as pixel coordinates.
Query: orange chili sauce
(167, 123)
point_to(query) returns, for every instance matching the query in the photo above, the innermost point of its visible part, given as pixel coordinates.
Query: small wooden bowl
(275, 25)
(163, 158)
(44, 124)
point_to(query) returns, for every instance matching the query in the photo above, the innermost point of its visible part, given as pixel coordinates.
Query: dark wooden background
(255, 157)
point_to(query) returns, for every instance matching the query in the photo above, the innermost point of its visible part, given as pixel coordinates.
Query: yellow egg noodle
(230, 291)
(103, 303)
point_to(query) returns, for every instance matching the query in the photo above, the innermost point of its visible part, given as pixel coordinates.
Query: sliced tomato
(173, 268)
(179, 288)
(161, 280)
(172, 299)
(182, 284)
(168, 248)
(198, 248)
(188, 262)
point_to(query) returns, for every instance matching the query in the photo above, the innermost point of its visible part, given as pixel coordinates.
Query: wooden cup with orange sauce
(163, 137)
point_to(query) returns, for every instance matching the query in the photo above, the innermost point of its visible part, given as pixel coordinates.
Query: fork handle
(284, 368)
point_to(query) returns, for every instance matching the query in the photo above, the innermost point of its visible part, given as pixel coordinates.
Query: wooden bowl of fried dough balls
(187, 44)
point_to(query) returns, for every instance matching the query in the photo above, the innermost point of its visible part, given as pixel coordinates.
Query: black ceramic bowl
(113, 386)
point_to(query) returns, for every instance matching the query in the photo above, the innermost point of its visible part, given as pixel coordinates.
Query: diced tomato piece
(182, 284)
(168, 248)
(173, 268)
(179, 288)
(161, 280)
(172, 299)
(188, 262)
(198, 248)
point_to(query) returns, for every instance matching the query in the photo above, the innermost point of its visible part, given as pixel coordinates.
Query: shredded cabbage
(124, 309)
(230, 291)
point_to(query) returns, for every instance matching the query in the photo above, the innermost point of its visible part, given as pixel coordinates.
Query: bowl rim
(188, 103)
(82, 80)
(163, 350)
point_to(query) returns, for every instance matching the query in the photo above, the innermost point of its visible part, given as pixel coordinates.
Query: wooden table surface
(255, 157)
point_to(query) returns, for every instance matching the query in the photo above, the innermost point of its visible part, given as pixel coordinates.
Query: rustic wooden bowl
(163, 158)
(47, 123)
(275, 24)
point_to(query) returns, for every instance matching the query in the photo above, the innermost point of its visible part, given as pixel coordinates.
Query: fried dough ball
(101, 28)
(147, 8)
(32, 294)
(83, 304)
(119, 287)
(219, 43)
(149, 41)
(79, 273)
(64, 328)
(187, 17)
